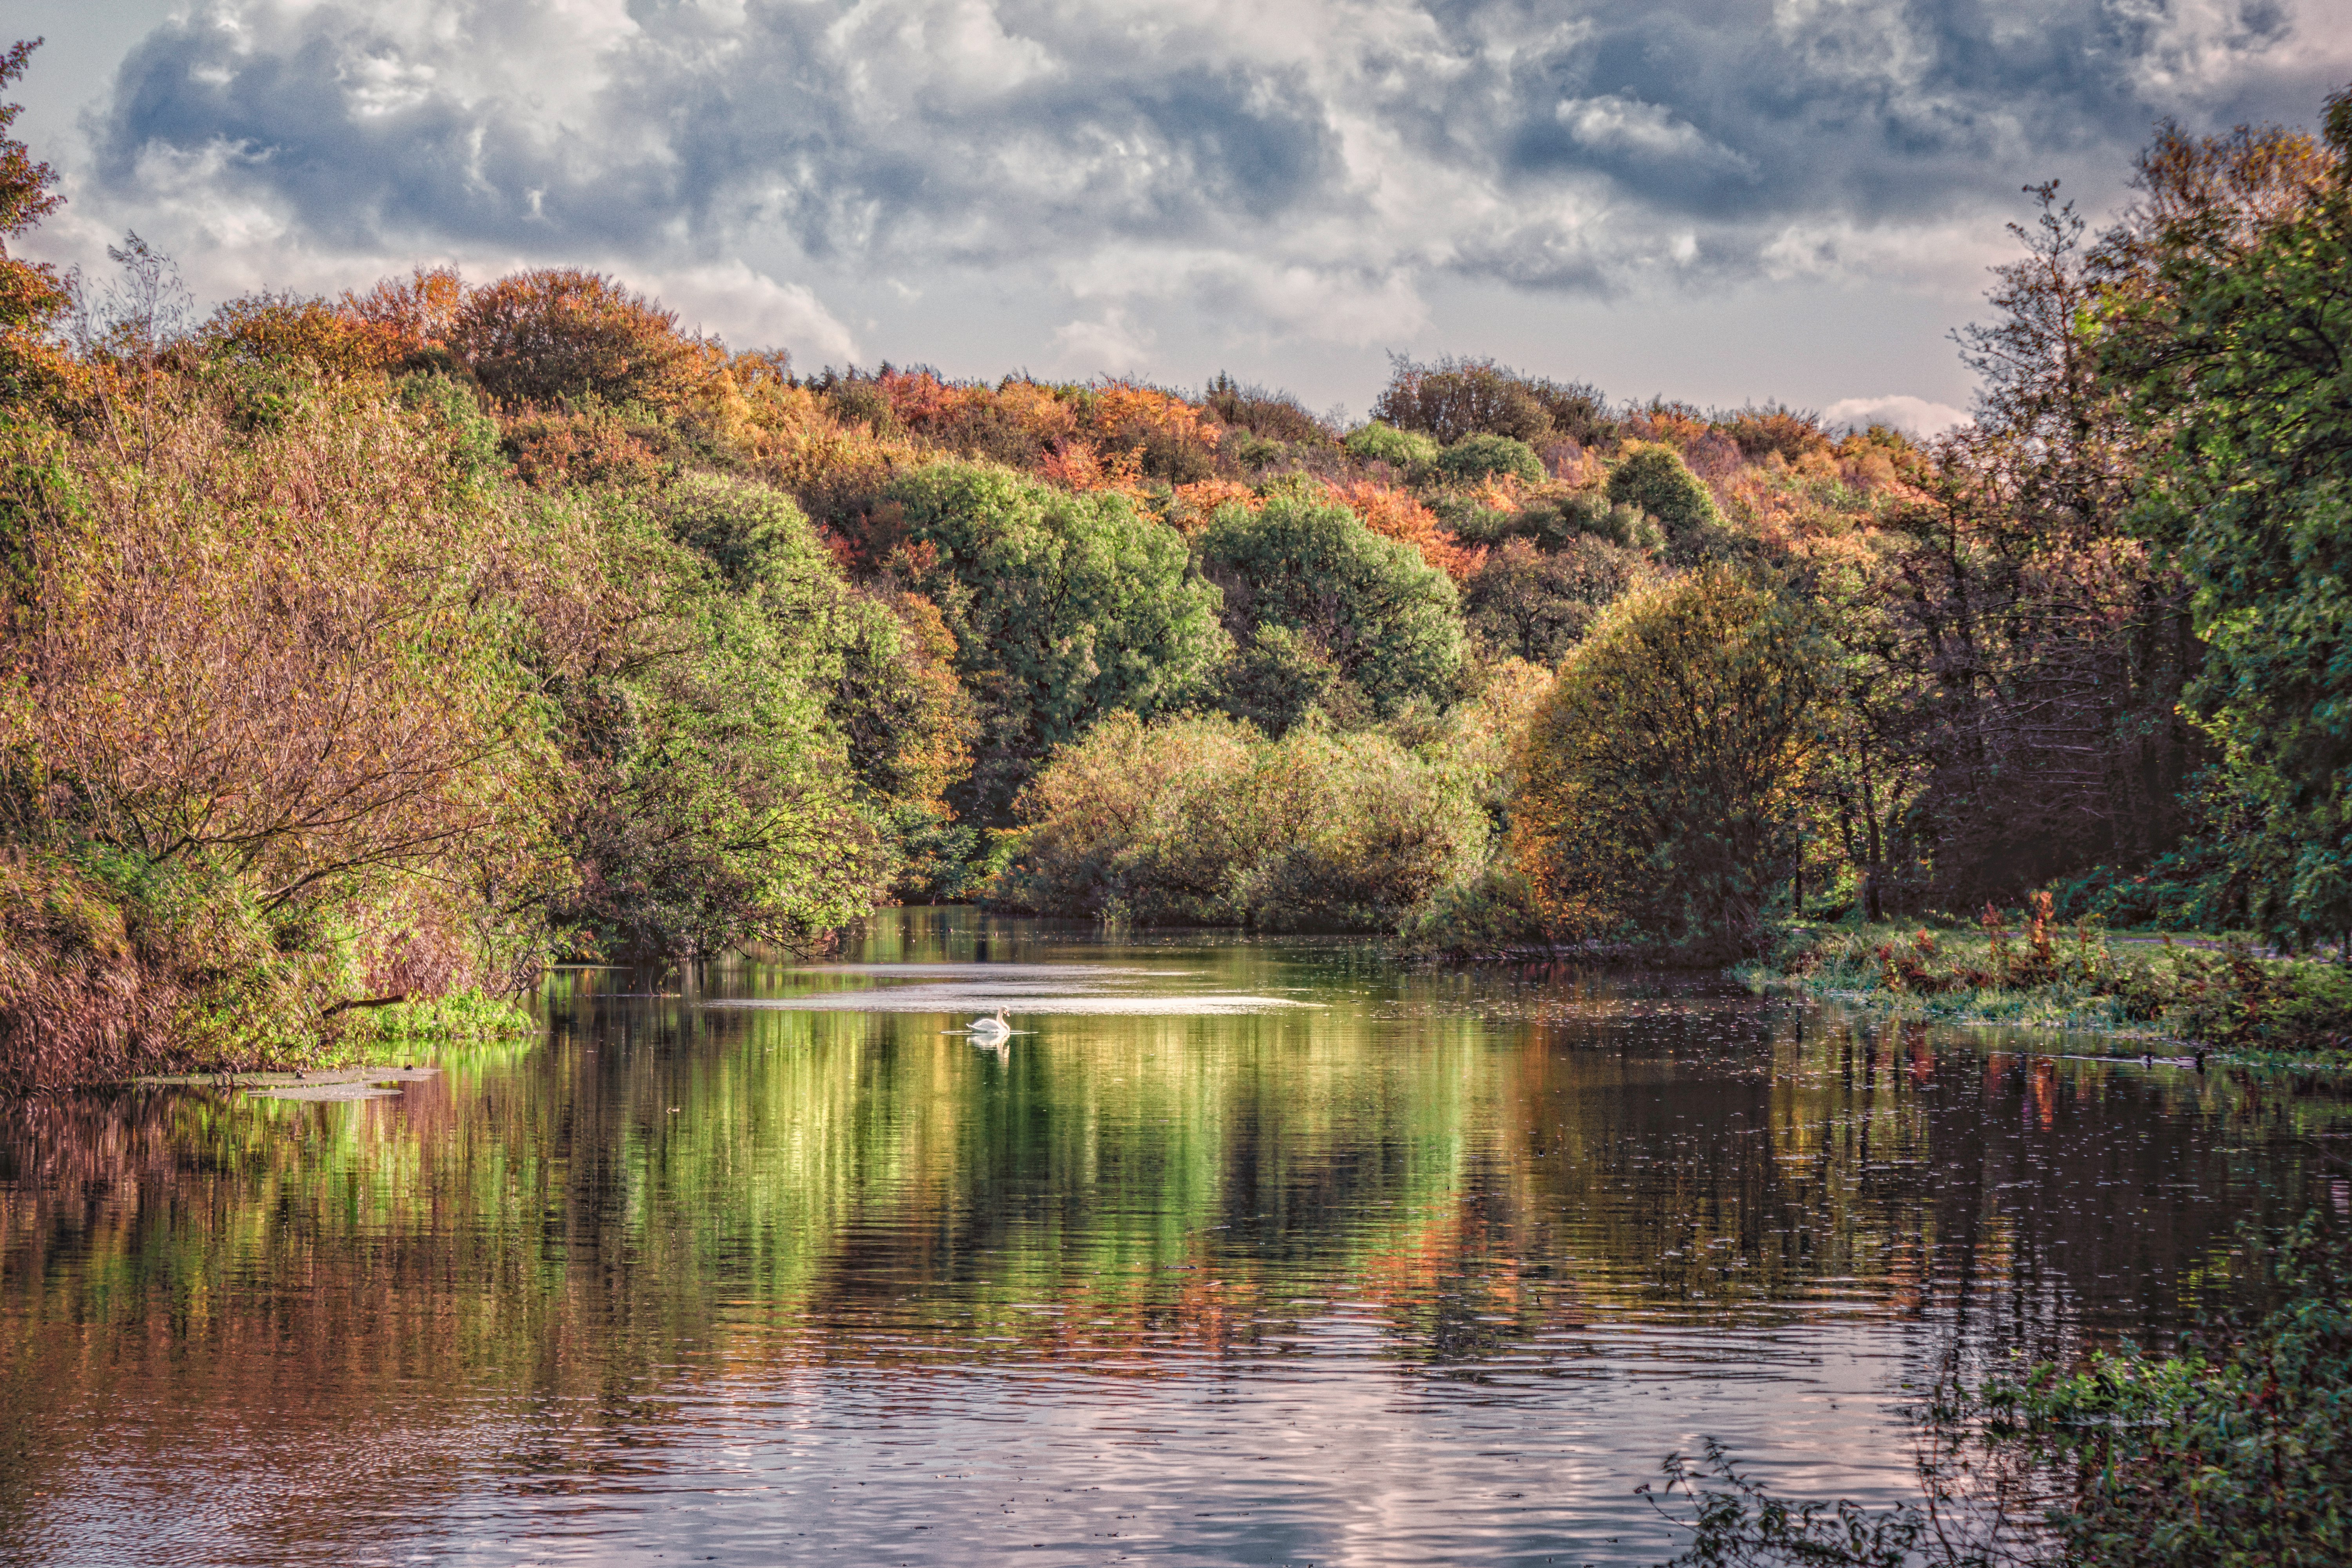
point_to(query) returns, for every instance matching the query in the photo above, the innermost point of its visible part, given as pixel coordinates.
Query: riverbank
(2227, 999)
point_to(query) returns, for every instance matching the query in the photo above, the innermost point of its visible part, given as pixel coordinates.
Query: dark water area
(1237, 1252)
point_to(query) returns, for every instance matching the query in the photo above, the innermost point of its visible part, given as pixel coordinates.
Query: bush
(1269, 415)
(1384, 618)
(1654, 782)
(1454, 398)
(1557, 520)
(1653, 477)
(718, 801)
(1474, 458)
(1409, 450)
(1204, 821)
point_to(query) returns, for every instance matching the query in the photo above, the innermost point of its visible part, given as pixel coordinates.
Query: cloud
(1308, 170)
(749, 309)
(1112, 345)
(1916, 415)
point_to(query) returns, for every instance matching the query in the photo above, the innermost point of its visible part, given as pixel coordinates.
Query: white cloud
(1110, 345)
(750, 310)
(1916, 415)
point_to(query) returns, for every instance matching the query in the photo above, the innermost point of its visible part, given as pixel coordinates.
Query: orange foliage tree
(31, 296)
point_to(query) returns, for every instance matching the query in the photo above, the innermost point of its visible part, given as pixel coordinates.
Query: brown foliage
(555, 448)
(291, 649)
(290, 327)
(1393, 514)
(557, 333)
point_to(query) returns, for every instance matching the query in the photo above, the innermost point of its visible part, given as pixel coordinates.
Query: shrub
(1385, 620)
(1474, 458)
(1204, 821)
(1654, 782)
(1760, 432)
(1269, 415)
(1409, 450)
(1653, 477)
(1454, 398)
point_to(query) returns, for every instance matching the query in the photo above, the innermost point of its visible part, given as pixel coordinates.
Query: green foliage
(1474, 458)
(1489, 914)
(2243, 356)
(1653, 477)
(452, 410)
(2237, 1450)
(717, 801)
(1063, 606)
(1525, 604)
(1656, 783)
(1205, 821)
(1409, 450)
(1369, 607)
(2032, 971)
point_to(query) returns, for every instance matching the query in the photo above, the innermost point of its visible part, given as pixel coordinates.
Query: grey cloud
(1547, 146)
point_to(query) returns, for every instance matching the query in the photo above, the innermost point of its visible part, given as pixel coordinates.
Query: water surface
(1237, 1252)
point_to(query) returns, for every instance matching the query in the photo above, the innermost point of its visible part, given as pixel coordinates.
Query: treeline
(375, 649)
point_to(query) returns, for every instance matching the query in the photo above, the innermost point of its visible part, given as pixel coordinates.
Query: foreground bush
(2237, 1449)
(1205, 821)
(1655, 781)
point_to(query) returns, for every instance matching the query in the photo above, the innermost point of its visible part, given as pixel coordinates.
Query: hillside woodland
(371, 649)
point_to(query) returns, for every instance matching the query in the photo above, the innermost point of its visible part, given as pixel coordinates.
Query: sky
(1728, 203)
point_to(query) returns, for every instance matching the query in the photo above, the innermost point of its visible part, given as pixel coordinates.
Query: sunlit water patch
(1244, 1252)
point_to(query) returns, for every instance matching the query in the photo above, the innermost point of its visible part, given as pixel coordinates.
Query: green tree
(1474, 457)
(1653, 477)
(1203, 820)
(1657, 779)
(715, 800)
(1386, 622)
(1536, 606)
(2241, 351)
(1063, 608)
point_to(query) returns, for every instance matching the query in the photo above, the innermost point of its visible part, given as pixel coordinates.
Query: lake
(1235, 1251)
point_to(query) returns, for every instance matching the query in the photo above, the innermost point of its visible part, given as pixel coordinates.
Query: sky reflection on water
(1419, 1267)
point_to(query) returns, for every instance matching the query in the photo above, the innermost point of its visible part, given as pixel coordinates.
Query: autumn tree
(33, 298)
(557, 333)
(1659, 778)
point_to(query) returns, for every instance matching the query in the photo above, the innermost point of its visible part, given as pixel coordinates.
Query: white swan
(991, 1027)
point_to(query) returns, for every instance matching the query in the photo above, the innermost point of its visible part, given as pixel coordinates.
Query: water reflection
(1434, 1268)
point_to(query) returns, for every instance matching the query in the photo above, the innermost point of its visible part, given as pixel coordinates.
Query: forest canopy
(371, 648)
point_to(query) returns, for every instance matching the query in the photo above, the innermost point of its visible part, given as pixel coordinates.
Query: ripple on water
(1248, 1252)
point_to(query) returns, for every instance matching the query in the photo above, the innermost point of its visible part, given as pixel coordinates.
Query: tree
(715, 801)
(1063, 608)
(1536, 606)
(1652, 476)
(1452, 398)
(558, 332)
(1658, 778)
(2238, 353)
(1385, 621)
(31, 296)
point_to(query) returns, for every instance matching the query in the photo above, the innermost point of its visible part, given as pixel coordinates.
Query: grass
(2225, 998)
